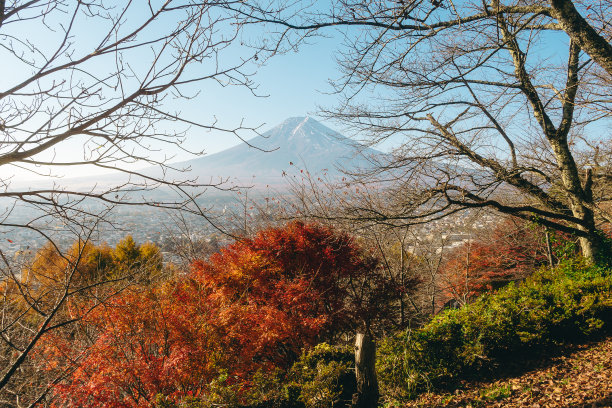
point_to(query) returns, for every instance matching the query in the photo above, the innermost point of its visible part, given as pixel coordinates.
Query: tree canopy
(501, 105)
(253, 306)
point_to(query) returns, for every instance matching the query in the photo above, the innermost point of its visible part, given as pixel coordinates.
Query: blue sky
(294, 84)
(291, 84)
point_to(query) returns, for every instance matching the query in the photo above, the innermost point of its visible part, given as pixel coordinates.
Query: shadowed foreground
(580, 377)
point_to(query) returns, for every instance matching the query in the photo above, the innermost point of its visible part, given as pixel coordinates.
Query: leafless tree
(489, 104)
(111, 93)
(412, 253)
(106, 77)
(592, 34)
(187, 241)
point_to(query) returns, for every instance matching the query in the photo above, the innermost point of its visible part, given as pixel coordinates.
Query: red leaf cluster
(254, 305)
(158, 340)
(318, 279)
(509, 252)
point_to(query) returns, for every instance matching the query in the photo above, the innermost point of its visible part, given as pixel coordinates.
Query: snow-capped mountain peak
(297, 143)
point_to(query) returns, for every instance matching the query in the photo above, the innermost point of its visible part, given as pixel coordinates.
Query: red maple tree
(508, 252)
(254, 305)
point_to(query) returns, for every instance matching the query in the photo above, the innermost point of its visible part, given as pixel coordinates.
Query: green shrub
(569, 303)
(322, 377)
(325, 376)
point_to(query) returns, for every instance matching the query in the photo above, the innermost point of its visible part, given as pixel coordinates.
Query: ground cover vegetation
(568, 303)
(576, 376)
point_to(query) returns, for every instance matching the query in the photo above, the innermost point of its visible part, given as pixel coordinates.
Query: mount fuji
(299, 143)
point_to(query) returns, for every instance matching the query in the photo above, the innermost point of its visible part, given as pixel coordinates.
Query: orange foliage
(317, 278)
(253, 306)
(159, 340)
(86, 264)
(508, 252)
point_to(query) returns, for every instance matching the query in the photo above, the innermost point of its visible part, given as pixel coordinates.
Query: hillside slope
(578, 376)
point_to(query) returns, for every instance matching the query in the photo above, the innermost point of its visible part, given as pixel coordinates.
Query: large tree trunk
(365, 371)
(579, 194)
(580, 31)
(589, 246)
(592, 244)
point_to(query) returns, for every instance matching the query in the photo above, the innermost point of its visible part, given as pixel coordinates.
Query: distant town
(165, 228)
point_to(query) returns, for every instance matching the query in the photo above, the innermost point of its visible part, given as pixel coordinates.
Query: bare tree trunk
(549, 249)
(591, 244)
(365, 371)
(402, 282)
(588, 245)
(580, 31)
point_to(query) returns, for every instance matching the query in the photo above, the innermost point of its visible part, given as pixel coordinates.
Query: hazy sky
(291, 84)
(294, 84)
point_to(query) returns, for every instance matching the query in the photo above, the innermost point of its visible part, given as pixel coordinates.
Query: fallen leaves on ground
(580, 378)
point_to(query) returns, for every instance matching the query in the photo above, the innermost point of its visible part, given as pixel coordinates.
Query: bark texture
(365, 372)
(581, 31)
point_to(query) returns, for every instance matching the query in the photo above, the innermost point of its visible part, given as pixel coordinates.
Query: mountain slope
(579, 377)
(297, 143)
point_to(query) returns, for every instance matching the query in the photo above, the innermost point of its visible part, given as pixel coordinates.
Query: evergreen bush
(569, 303)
